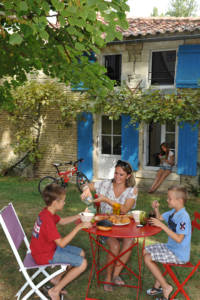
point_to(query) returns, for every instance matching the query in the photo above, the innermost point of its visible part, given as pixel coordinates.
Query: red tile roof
(157, 25)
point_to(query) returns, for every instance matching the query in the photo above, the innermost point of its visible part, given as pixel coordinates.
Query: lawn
(27, 202)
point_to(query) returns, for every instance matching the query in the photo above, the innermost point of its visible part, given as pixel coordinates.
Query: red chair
(194, 268)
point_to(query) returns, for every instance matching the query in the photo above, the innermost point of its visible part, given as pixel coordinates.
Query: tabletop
(126, 231)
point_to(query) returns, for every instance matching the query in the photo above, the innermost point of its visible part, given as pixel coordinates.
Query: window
(113, 66)
(110, 136)
(163, 67)
(155, 134)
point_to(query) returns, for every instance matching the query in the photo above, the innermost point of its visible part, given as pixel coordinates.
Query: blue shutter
(85, 143)
(187, 149)
(188, 67)
(130, 142)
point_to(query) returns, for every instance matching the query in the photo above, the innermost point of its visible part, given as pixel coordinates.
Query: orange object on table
(128, 231)
(116, 208)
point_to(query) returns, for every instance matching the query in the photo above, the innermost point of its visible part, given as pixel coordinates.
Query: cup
(116, 208)
(143, 218)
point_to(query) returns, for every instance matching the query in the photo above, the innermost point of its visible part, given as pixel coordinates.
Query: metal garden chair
(16, 237)
(194, 267)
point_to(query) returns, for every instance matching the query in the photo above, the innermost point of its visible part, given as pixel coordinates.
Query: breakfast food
(119, 220)
(104, 228)
(100, 217)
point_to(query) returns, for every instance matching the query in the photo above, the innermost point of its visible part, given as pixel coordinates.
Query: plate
(121, 224)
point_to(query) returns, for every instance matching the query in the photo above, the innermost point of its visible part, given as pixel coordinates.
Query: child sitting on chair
(177, 249)
(47, 245)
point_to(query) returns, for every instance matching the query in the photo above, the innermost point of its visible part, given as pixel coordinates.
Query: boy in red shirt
(47, 245)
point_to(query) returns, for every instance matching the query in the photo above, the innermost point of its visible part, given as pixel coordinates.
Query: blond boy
(177, 249)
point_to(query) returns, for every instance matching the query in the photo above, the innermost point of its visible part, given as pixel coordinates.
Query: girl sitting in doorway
(166, 157)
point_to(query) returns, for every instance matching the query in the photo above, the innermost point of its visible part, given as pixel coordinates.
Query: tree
(155, 13)
(57, 37)
(182, 8)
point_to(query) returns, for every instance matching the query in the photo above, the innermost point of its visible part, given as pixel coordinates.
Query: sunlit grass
(27, 202)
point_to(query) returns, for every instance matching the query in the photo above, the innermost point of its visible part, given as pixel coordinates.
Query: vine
(32, 102)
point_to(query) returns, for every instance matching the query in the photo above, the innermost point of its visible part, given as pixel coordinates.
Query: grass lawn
(28, 203)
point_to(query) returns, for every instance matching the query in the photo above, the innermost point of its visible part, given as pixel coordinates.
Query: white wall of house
(136, 65)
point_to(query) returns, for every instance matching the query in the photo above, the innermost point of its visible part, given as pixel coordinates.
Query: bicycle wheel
(45, 181)
(81, 179)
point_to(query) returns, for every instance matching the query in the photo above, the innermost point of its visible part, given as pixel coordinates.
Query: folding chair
(194, 268)
(16, 237)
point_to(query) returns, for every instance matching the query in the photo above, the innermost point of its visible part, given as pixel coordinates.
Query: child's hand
(155, 222)
(86, 225)
(155, 204)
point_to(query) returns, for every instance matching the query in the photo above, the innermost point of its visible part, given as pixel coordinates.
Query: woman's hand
(101, 198)
(86, 192)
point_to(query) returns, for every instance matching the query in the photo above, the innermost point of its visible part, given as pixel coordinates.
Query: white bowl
(136, 215)
(86, 216)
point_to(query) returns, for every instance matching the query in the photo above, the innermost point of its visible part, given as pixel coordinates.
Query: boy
(177, 249)
(47, 245)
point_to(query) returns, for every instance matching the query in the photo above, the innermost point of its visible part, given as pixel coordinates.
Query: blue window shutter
(187, 149)
(130, 142)
(85, 143)
(188, 67)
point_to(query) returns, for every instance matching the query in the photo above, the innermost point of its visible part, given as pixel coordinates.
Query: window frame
(161, 86)
(110, 135)
(114, 54)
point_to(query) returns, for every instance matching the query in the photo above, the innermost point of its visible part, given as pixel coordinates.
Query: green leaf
(44, 35)
(79, 46)
(23, 6)
(15, 39)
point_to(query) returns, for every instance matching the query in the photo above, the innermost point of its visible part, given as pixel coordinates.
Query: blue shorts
(67, 255)
(166, 167)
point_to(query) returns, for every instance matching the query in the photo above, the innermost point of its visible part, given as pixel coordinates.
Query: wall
(136, 63)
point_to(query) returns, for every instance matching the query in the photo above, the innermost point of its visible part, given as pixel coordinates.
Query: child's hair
(167, 149)
(52, 192)
(126, 167)
(180, 192)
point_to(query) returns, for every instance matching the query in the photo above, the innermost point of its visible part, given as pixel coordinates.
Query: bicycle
(64, 176)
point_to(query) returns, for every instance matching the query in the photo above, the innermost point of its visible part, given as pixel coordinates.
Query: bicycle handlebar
(74, 163)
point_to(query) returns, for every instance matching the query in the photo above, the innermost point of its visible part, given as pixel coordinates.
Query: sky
(144, 8)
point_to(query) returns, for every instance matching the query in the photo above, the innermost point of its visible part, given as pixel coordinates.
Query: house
(158, 53)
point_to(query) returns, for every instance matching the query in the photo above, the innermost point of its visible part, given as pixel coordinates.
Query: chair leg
(178, 284)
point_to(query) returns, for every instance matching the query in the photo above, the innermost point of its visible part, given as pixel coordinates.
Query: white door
(109, 146)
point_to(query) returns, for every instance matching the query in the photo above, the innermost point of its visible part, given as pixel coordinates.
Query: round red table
(125, 231)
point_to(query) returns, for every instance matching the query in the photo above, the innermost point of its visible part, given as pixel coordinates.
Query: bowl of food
(137, 215)
(86, 216)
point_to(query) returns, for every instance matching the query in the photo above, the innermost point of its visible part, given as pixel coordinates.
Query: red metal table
(125, 231)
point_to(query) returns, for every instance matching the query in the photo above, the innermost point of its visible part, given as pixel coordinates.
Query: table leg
(91, 271)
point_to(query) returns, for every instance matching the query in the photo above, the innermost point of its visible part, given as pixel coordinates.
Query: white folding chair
(16, 237)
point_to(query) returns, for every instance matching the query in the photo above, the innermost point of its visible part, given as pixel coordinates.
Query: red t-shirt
(43, 237)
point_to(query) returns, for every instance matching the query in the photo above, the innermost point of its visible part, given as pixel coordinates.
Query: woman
(118, 190)
(166, 157)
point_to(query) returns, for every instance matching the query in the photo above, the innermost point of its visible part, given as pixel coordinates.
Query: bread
(104, 228)
(99, 218)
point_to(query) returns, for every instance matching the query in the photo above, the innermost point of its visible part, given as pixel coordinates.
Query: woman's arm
(124, 207)
(87, 189)
(170, 160)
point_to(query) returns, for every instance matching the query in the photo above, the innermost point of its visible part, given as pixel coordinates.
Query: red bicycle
(65, 176)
